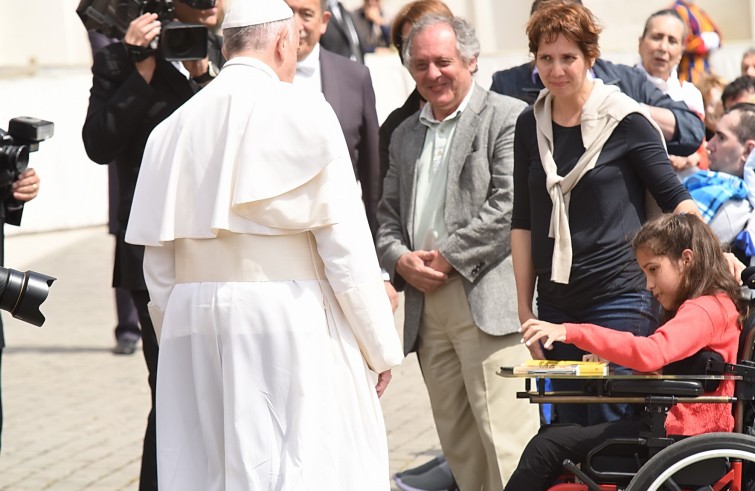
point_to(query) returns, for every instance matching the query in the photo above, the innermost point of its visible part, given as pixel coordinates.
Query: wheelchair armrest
(679, 388)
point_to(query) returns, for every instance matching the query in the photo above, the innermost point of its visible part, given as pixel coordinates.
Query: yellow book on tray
(562, 367)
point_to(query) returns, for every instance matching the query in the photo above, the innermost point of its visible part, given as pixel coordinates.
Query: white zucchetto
(245, 13)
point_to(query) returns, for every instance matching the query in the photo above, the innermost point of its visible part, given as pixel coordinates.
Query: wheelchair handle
(748, 277)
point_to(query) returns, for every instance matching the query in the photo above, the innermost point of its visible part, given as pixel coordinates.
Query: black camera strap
(139, 53)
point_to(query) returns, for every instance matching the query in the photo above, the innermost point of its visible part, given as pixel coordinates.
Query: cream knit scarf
(604, 109)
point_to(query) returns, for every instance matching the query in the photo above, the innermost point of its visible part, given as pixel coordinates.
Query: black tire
(692, 450)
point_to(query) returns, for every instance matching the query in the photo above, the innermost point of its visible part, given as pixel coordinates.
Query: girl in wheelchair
(703, 309)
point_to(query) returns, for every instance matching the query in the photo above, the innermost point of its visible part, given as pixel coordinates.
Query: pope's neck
(268, 58)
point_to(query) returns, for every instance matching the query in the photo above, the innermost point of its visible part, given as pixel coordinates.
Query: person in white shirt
(661, 46)
(276, 336)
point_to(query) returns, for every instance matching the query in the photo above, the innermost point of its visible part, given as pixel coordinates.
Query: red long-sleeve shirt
(707, 322)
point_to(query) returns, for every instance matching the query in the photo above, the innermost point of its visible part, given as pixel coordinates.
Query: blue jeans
(635, 312)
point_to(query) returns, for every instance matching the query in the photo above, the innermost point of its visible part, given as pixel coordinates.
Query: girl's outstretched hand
(535, 330)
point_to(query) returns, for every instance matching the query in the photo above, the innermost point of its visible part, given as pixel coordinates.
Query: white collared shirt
(679, 91)
(308, 70)
(432, 175)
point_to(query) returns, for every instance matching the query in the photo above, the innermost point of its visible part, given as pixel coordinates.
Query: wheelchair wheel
(709, 452)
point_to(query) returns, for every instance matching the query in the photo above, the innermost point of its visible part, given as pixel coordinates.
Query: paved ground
(75, 413)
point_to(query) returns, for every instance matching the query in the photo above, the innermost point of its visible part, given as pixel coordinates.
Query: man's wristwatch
(211, 73)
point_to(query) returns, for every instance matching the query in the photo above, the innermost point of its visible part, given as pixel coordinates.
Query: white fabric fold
(604, 109)
(378, 346)
(248, 184)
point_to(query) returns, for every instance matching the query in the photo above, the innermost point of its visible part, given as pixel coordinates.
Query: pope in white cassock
(265, 289)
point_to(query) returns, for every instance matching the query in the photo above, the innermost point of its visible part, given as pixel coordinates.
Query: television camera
(177, 40)
(21, 293)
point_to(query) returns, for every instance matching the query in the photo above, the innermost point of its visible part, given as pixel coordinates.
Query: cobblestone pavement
(75, 413)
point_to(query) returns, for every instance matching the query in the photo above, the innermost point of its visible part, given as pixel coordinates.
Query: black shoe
(125, 347)
(434, 478)
(422, 468)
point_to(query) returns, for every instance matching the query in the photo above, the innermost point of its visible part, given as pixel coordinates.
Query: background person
(373, 25)
(12, 198)
(741, 89)
(711, 86)
(722, 193)
(660, 49)
(703, 37)
(747, 65)
(341, 35)
(347, 86)
(131, 94)
(686, 270)
(127, 331)
(583, 146)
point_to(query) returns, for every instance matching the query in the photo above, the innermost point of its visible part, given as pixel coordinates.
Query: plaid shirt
(711, 189)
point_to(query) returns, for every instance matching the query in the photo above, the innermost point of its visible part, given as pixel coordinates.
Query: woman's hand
(535, 330)
(384, 379)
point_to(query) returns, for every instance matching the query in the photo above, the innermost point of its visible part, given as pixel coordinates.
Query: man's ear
(472, 65)
(749, 146)
(325, 19)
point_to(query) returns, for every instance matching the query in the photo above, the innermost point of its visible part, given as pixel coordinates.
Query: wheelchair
(653, 461)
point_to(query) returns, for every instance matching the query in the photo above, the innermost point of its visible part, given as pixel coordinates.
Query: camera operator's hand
(196, 68)
(26, 187)
(141, 32)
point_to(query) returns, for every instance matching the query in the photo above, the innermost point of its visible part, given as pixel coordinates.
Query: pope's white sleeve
(352, 269)
(160, 276)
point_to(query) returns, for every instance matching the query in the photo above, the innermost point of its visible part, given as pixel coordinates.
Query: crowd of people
(265, 222)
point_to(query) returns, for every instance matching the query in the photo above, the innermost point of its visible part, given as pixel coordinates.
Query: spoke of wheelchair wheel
(670, 485)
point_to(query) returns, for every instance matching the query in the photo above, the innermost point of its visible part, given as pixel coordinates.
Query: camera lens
(16, 156)
(178, 42)
(13, 161)
(21, 294)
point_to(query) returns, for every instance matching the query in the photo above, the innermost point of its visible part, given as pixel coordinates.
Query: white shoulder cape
(249, 154)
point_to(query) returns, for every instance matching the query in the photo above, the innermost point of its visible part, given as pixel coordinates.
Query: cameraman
(133, 90)
(12, 200)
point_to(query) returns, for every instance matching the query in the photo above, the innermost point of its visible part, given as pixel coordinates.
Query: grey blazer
(479, 199)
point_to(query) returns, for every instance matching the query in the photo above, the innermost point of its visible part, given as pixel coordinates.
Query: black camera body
(23, 136)
(21, 293)
(177, 41)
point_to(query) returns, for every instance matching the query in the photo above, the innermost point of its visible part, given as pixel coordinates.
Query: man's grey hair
(467, 43)
(258, 37)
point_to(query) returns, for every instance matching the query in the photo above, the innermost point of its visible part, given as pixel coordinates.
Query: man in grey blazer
(347, 86)
(444, 235)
